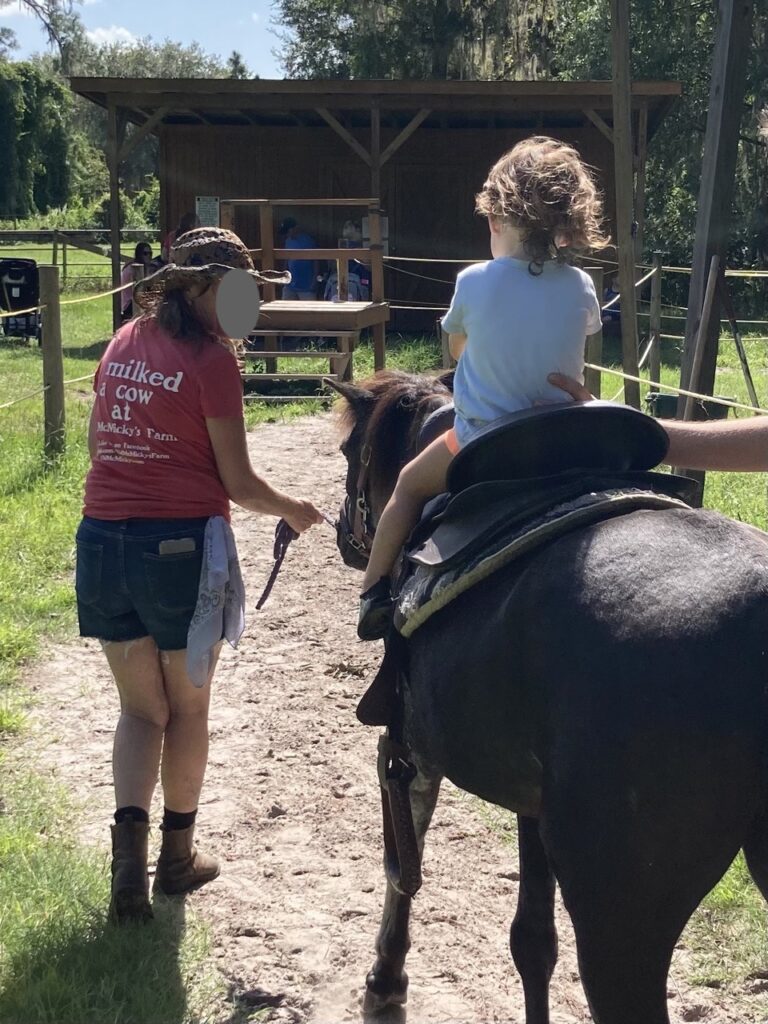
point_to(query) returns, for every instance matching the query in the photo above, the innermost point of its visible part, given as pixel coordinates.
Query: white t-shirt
(519, 327)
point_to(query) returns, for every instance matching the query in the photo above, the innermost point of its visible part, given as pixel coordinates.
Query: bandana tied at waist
(220, 609)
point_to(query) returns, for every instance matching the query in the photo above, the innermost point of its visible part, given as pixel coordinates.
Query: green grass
(58, 960)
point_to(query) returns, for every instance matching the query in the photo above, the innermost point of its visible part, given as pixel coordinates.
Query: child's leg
(419, 481)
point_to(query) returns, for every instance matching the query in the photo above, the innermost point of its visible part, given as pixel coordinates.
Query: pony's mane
(401, 402)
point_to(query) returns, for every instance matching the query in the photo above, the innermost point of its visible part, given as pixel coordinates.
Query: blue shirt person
(303, 272)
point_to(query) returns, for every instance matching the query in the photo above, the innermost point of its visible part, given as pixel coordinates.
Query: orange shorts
(451, 441)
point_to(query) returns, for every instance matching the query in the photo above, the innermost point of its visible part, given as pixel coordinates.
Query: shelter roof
(451, 104)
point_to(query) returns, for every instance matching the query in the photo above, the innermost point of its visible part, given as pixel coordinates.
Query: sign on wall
(207, 210)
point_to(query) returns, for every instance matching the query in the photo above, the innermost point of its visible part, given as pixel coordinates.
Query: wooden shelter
(423, 147)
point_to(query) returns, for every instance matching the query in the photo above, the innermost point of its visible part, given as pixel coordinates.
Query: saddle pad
(427, 591)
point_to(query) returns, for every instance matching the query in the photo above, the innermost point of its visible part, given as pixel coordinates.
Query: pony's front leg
(533, 938)
(387, 981)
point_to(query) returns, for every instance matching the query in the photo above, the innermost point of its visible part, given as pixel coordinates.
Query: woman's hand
(571, 387)
(300, 514)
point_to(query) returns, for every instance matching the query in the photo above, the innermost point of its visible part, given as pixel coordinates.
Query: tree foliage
(464, 39)
(34, 145)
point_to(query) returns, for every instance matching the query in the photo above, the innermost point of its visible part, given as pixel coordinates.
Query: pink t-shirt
(154, 456)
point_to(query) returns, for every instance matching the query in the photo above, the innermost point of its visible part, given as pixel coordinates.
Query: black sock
(174, 820)
(137, 813)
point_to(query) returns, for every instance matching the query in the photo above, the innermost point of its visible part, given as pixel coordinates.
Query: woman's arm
(247, 488)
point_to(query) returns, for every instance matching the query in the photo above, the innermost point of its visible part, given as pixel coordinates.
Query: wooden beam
(341, 131)
(599, 123)
(116, 123)
(640, 163)
(405, 134)
(376, 158)
(151, 123)
(726, 97)
(623, 167)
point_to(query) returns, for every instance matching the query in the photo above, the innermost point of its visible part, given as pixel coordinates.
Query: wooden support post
(227, 216)
(267, 242)
(377, 286)
(701, 335)
(116, 121)
(53, 364)
(654, 323)
(445, 348)
(376, 150)
(55, 255)
(641, 160)
(721, 145)
(623, 164)
(64, 262)
(342, 279)
(594, 347)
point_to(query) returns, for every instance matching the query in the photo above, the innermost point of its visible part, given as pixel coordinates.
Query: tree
(8, 42)
(34, 145)
(485, 39)
(60, 22)
(236, 66)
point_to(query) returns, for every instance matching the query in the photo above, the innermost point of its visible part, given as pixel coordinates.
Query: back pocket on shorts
(174, 580)
(88, 572)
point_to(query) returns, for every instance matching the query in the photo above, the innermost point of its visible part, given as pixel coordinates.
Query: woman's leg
(423, 478)
(135, 664)
(138, 741)
(185, 753)
(181, 867)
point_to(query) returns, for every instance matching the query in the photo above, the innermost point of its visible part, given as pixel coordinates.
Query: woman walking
(157, 575)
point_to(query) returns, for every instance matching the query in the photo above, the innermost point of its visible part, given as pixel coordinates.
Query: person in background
(187, 223)
(142, 255)
(611, 317)
(157, 577)
(303, 272)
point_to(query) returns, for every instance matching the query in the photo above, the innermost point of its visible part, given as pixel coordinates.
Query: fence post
(55, 259)
(53, 363)
(654, 325)
(594, 346)
(64, 261)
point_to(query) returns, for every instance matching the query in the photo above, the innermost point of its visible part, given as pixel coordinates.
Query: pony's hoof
(382, 990)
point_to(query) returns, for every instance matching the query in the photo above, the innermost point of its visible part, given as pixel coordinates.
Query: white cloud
(113, 34)
(15, 10)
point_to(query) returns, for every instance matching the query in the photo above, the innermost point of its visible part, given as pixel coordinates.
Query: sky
(219, 27)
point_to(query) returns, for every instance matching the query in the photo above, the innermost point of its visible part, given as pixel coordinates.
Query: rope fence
(54, 384)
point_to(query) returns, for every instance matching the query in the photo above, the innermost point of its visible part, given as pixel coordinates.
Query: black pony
(610, 689)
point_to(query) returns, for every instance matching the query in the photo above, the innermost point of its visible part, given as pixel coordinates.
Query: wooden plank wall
(428, 188)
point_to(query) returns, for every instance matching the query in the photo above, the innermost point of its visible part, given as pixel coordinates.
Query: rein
(284, 534)
(358, 531)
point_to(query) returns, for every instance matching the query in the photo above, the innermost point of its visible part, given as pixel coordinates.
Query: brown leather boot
(130, 883)
(181, 867)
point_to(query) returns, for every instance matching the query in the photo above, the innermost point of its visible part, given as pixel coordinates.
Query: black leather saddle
(553, 439)
(531, 461)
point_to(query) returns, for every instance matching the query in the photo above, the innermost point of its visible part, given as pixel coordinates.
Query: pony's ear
(358, 398)
(446, 378)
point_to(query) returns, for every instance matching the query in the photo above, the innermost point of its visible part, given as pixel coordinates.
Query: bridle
(357, 530)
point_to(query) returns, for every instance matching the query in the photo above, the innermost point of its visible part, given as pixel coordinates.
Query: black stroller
(20, 289)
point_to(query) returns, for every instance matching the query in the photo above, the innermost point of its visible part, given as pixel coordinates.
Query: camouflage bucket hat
(201, 256)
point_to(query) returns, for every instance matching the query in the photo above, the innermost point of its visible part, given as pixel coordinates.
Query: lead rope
(284, 534)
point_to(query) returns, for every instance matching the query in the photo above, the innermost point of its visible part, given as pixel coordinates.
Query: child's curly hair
(543, 187)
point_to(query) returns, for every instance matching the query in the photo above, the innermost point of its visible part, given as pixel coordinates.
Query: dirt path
(291, 800)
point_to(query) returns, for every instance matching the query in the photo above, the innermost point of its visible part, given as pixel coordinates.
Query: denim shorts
(139, 577)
